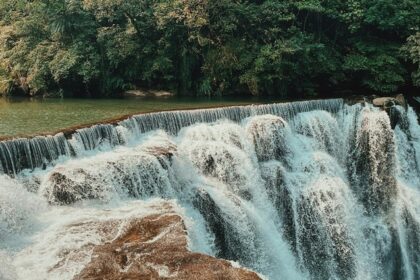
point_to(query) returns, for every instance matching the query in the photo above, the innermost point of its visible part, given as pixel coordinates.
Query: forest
(285, 48)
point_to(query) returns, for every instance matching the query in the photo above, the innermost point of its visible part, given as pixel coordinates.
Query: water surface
(25, 117)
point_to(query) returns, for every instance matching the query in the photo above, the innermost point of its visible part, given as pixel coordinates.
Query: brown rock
(65, 190)
(387, 102)
(166, 149)
(355, 99)
(401, 100)
(384, 101)
(155, 247)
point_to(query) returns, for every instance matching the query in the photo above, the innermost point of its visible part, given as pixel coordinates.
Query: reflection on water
(23, 116)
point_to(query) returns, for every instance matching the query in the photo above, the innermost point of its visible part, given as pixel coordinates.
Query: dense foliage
(209, 47)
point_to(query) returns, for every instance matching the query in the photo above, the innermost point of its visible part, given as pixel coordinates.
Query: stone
(388, 102)
(385, 102)
(269, 137)
(66, 190)
(156, 247)
(401, 100)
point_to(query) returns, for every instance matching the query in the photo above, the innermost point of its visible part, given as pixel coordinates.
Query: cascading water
(304, 190)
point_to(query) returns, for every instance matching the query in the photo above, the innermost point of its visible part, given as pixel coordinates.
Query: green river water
(27, 117)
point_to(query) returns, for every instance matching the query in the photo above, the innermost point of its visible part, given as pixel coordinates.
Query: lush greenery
(209, 47)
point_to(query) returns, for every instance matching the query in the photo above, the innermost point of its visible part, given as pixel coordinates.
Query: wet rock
(324, 240)
(388, 102)
(371, 163)
(268, 134)
(398, 116)
(140, 173)
(280, 195)
(225, 163)
(165, 150)
(356, 99)
(229, 243)
(156, 247)
(385, 102)
(401, 250)
(401, 100)
(322, 127)
(67, 190)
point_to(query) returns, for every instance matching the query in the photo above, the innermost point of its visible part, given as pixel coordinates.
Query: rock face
(138, 173)
(155, 247)
(384, 102)
(388, 102)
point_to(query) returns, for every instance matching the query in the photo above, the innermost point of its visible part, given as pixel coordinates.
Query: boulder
(388, 102)
(401, 100)
(268, 134)
(65, 189)
(355, 99)
(385, 102)
(156, 247)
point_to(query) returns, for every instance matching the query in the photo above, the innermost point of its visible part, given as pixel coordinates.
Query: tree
(412, 51)
(208, 47)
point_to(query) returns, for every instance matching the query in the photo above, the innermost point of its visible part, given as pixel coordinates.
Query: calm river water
(24, 117)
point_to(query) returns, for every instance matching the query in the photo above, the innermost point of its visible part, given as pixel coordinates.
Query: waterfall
(303, 190)
(19, 154)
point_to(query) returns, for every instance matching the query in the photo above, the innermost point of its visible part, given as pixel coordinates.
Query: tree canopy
(209, 47)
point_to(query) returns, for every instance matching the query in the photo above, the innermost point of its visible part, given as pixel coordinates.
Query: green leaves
(209, 47)
(412, 52)
(376, 64)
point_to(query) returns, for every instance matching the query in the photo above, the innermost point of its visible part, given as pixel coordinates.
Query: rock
(229, 242)
(401, 100)
(65, 189)
(355, 99)
(147, 93)
(156, 247)
(268, 134)
(373, 169)
(136, 173)
(388, 102)
(385, 102)
(165, 149)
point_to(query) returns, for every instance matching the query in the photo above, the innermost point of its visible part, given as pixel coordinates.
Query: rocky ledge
(382, 102)
(389, 104)
(155, 247)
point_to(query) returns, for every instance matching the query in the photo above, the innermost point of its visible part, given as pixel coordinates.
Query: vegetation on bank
(209, 47)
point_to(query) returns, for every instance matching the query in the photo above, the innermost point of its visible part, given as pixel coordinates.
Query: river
(24, 116)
